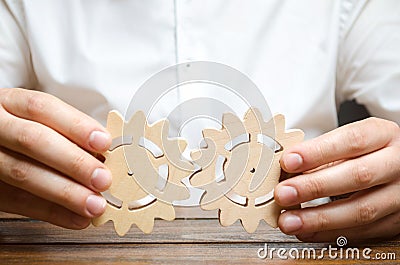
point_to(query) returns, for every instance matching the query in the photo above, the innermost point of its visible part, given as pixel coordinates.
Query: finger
(14, 200)
(56, 114)
(349, 176)
(50, 148)
(362, 208)
(43, 182)
(349, 141)
(387, 227)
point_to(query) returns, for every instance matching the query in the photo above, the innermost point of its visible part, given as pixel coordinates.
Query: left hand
(363, 158)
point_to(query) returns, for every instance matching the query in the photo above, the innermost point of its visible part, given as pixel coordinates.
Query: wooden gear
(238, 170)
(246, 201)
(128, 203)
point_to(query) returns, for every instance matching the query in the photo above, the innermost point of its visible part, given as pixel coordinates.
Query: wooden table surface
(183, 241)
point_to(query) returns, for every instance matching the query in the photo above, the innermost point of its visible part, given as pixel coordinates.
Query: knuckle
(390, 127)
(28, 137)
(393, 126)
(36, 105)
(323, 150)
(4, 94)
(314, 188)
(373, 121)
(78, 163)
(322, 222)
(67, 192)
(356, 140)
(20, 172)
(362, 175)
(366, 213)
(78, 124)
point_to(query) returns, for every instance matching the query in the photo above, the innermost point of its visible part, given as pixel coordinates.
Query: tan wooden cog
(239, 175)
(128, 202)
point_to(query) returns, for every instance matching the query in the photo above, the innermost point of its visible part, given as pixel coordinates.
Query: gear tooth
(227, 218)
(230, 118)
(271, 223)
(136, 124)
(250, 224)
(115, 123)
(165, 125)
(147, 225)
(279, 121)
(291, 137)
(167, 212)
(160, 126)
(256, 113)
(122, 227)
(254, 122)
(114, 116)
(233, 126)
(251, 115)
(138, 116)
(182, 144)
(210, 133)
(248, 112)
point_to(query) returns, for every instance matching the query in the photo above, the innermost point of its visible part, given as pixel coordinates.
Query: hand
(362, 158)
(46, 170)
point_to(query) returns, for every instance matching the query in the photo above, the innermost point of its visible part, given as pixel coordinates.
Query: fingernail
(95, 205)
(99, 140)
(287, 195)
(291, 223)
(292, 161)
(101, 179)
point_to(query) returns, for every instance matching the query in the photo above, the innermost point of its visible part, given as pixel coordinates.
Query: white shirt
(305, 56)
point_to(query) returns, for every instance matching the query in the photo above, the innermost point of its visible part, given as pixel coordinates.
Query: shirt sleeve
(369, 60)
(15, 59)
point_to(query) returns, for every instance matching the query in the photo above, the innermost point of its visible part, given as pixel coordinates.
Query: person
(65, 64)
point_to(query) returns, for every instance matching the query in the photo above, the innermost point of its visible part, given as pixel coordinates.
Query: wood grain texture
(243, 253)
(26, 231)
(192, 241)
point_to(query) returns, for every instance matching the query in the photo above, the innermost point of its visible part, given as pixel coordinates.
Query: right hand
(46, 170)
